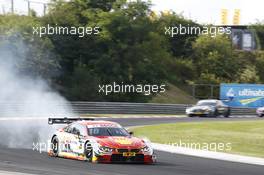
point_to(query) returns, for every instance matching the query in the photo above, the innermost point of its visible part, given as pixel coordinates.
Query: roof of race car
(100, 123)
(208, 100)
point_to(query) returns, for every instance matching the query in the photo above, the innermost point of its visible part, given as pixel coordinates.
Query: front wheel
(55, 146)
(213, 114)
(227, 114)
(88, 151)
(260, 115)
(216, 113)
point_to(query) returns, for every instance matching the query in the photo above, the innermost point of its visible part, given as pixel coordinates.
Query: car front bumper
(259, 113)
(119, 158)
(198, 113)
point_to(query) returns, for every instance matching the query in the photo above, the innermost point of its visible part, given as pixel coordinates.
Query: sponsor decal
(250, 100)
(123, 141)
(230, 94)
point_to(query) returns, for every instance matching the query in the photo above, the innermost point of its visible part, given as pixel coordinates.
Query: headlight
(105, 149)
(146, 149)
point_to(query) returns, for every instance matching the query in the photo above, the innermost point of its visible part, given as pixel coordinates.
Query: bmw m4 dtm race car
(98, 141)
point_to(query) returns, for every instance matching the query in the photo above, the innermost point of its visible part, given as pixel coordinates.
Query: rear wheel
(55, 146)
(88, 151)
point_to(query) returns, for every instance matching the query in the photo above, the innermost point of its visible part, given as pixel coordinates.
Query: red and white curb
(209, 154)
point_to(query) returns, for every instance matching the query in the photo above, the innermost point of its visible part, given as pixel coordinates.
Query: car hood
(200, 107)
(120, 142)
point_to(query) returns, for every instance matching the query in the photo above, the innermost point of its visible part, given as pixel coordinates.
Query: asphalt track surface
(32, 162)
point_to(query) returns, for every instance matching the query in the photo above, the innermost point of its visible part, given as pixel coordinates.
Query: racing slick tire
(260, 115)
(88, 151)
(190, 115)
(227, 114)
(55, 146)
(214, 114)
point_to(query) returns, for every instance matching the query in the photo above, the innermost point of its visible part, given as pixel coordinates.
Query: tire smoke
(24, 95)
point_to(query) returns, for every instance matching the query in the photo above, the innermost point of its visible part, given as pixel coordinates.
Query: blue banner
(242, 95)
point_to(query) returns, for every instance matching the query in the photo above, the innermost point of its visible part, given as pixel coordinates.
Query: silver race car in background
(208, 108)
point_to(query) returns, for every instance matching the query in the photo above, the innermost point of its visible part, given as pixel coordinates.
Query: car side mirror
(131, 133)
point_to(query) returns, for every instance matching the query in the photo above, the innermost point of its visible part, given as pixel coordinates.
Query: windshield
(206, 103)
(104, 131)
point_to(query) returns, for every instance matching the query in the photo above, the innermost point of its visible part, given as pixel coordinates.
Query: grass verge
(245, 137)
(174, 95)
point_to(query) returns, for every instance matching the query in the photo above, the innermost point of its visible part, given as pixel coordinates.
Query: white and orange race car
(98, 141)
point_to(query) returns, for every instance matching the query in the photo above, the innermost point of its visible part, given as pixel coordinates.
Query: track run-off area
(26, 161)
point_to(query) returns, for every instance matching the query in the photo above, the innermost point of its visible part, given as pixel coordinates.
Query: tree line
(131, 48)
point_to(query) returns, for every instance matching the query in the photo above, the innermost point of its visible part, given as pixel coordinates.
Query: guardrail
(7, 109)
(141, 108)
(128, 108)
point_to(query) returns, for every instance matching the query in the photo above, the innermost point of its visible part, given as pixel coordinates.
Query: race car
(260, 111)
(98, 141)
(208, 108)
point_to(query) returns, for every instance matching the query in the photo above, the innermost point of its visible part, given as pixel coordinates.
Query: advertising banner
(242, 95)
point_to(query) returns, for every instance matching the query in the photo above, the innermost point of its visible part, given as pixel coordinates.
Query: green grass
(246, 137)
(174, 95)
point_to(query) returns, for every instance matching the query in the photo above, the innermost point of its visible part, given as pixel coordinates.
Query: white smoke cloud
(21, 96)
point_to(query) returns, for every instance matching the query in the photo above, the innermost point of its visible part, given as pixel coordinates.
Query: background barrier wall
(15, 109)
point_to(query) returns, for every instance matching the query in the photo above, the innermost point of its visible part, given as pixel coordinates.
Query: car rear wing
(65, 120)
